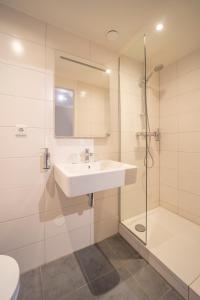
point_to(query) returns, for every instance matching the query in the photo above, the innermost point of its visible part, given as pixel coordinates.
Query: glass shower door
(133, 108)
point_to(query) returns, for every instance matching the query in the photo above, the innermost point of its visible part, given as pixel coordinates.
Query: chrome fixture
(88, 155)
(83, 64)
(155, 134)
(46, 159)
(156, 68)
(91, 199)
(149, 159)
(140, 228)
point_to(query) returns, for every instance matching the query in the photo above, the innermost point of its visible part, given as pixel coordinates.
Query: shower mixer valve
(155, 134)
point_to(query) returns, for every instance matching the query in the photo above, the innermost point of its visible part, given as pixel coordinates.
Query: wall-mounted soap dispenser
(46, 162)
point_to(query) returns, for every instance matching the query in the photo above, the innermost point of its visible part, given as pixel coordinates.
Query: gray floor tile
(126, 290)
(31, 286)
(61, 277)
(130, 259)
(109, 281)
(136, 264)
(108, 252)
(151, 282)
(104, 284)
(122, 250)
(171, 295)
(94, 264)
(109, 270)
(83, 293)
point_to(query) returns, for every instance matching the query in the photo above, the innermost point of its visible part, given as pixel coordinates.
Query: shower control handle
(155, 134)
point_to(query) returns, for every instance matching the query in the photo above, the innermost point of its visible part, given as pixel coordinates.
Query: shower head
(157, 68)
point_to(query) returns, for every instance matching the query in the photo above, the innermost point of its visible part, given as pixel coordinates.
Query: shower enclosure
(139, 109)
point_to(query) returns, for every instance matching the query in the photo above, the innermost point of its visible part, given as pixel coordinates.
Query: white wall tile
(188, 82)
(19, 110)
(20, 232)
(21, 146)
(21, 202)
(169, 195)
(20, 52)
(189, 202)
(56, 247)
(105, 208)
(23, 82)
(169, 124)
(29, 257)
(189, 142)
(189, 182)
(169, 73)
(66, 219)
(20, 172)
(189, 122)
(169, 107)
(169, 177)
(67, 242)
(103, 229)
(80, 237)
(189, 102)
(169, 142)
(169, 159)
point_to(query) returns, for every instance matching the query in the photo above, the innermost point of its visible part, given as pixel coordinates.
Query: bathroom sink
(85, 178)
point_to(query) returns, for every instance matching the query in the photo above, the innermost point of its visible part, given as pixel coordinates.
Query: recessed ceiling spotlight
(159, 27)
(112, 35)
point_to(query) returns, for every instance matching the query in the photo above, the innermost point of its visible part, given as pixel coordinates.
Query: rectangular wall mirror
(82, 106)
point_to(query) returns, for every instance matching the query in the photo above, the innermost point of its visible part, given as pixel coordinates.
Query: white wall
(37, 222)
(180, 139)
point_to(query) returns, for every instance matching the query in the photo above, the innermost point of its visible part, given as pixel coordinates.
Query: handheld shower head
(157, 68)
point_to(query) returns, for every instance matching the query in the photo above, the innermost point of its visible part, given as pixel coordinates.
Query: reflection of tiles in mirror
(111, 269)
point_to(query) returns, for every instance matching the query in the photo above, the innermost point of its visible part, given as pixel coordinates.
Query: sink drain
(140, 227)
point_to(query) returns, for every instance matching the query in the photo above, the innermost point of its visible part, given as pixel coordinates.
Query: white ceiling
(132, 18)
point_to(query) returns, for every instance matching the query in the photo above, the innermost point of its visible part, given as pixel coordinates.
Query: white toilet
(9, 278)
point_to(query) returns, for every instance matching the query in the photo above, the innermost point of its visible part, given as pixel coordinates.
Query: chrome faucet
(88, 156)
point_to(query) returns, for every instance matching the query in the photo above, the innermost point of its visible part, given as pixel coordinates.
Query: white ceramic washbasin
(85, 178)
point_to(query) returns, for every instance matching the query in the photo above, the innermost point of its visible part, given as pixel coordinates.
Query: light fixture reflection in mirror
(83, 94)
(108, 71)
(17, 47)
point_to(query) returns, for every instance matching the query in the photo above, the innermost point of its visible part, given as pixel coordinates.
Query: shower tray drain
(140, 227)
